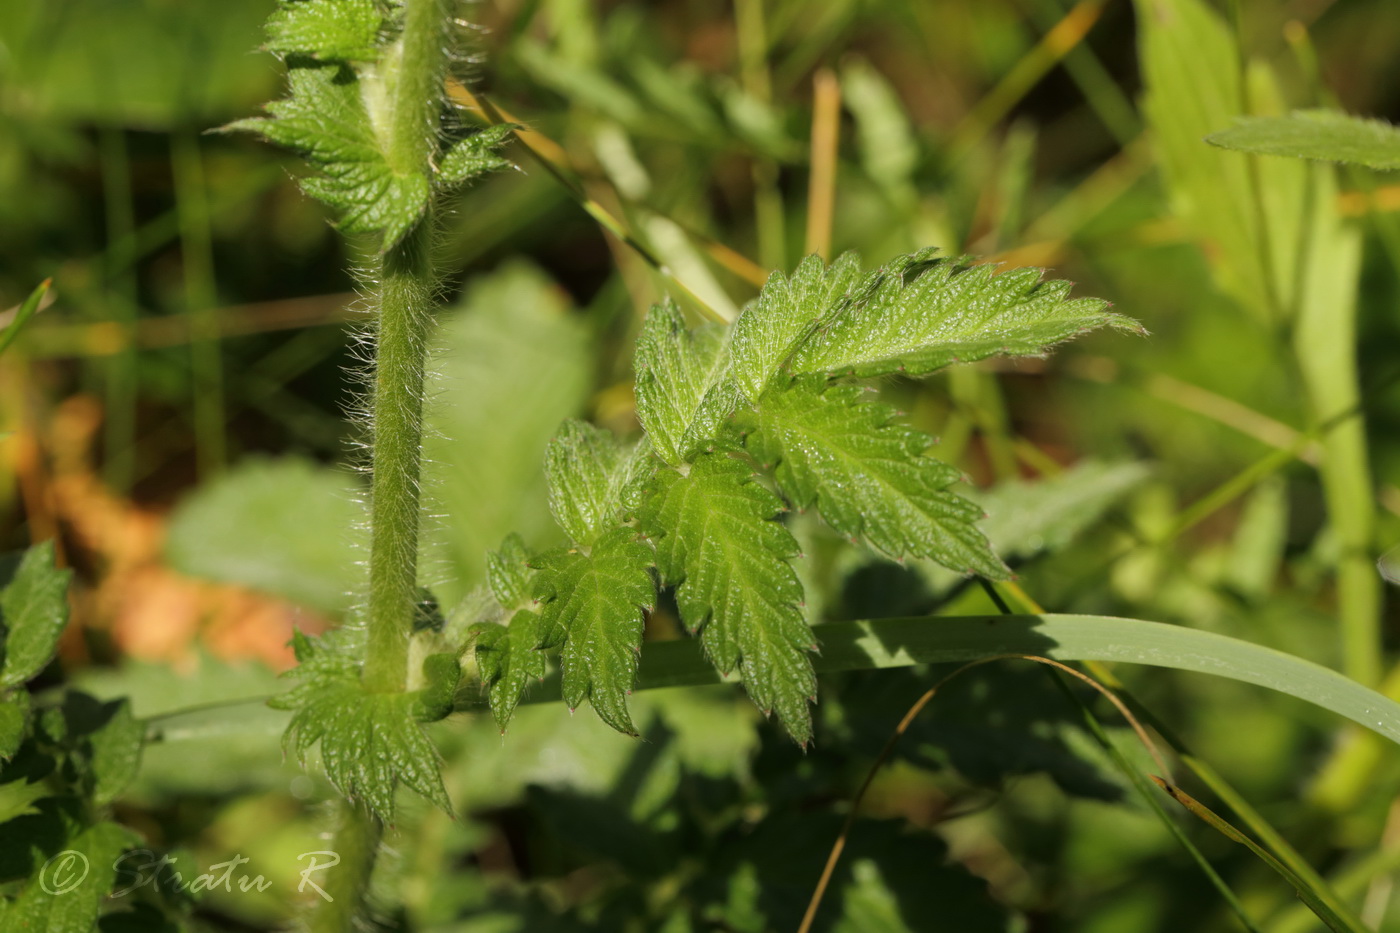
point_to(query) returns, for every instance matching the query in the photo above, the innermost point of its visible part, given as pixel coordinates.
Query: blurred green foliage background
(179, 415)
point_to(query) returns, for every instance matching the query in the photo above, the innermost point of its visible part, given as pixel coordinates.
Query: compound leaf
(595, 603)
(510, 661)
(325, 122)
(682, 395)
(919, 314)
(34, 610)
(735, 584)
(344, 30)
(1320, 135)
(786, 311)
(588, 470)
(869, 477)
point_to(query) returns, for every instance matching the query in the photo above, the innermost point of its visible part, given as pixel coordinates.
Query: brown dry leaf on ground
(151, 612)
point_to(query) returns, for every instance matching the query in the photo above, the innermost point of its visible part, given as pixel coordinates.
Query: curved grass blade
(22, 316)
(1305, 891)
(904, 642)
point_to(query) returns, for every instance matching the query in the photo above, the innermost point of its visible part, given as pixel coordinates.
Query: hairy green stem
(406, 297)
(414, 76)
(340, 904)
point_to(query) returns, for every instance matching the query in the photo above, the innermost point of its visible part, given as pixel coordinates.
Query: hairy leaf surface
(730, 563)
(918, 314)
(869, 477)
(595, 606)
(508, 572)
(510, 661)
(34, 610)
(325, 122)
(369, 741)
(475, 155)
(682, 395)
(340, 30)
(588, 469)
(786, 311)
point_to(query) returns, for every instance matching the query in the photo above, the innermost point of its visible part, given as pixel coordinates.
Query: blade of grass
(769, 214)
(1144, 790)
(826, 143)
(120, 404)
(1033, 66)
(22, 315)
(590, 206)
(904, 642)
(1222, 826)
(1242, 808)
(197, 262)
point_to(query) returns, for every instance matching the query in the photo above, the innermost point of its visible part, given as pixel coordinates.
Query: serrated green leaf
(508, 572)
(84, 873)
(344, 30)
(682, 395)
(34, 610)
(17, 798)
(786, 311)
(919, 314)
(369, 743)
(730, 563)
(1319, 135)
(116, 752)
(475, 155)
(869, 477)
(14, 723)
(510, 661)
(588, 469)
(325, 122)
(595, 601)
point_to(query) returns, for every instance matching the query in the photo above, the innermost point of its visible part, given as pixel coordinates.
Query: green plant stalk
(1324, 339)
(406, 295)
(196, 251)
(769, 213)
(414, 79)
(120, 429)
(356, 841)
